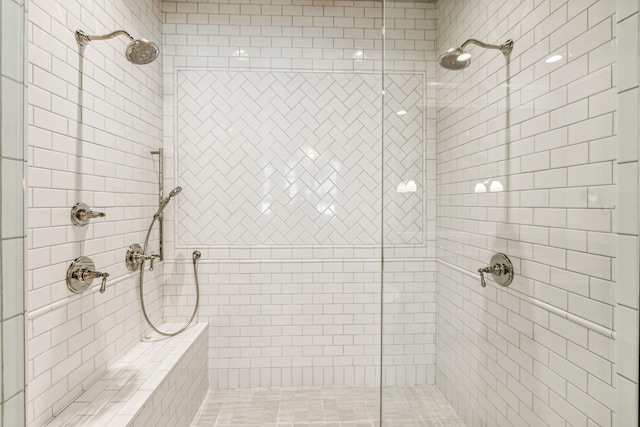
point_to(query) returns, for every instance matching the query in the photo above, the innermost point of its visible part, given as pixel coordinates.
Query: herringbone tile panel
(292, 158)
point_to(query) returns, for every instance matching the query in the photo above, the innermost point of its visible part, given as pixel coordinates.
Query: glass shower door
(531, 154)
(409, 268)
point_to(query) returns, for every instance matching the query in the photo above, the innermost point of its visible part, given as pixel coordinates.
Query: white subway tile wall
(537, 159)
(92, 121)
(293, 298)
(13, 233)
(540, 352)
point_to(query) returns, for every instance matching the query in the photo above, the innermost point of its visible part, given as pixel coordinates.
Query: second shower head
(457, 58)
(139, 51)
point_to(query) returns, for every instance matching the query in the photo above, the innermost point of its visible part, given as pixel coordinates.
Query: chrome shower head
(138, 52)
(457, 58)
(142, 52)
(165, 202)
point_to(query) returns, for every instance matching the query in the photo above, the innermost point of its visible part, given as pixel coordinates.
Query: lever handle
(81, 214)
(152, 259)
(103, 286)
(483, 282)
(89, 214)
(135, 257)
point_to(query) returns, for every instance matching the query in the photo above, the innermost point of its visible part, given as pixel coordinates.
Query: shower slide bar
(160, 153)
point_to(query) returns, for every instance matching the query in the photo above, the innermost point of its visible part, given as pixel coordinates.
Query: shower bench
(160, 382)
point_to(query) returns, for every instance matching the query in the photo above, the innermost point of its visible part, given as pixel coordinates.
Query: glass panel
(532, 153)
(409, 287)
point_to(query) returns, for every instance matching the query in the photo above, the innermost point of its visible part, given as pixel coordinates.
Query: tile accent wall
(93, 120)
(294, 158)
(539, 352)
(293, 298)
(276, 158)
(12, 252)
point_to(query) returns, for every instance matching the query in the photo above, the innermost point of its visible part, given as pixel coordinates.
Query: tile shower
(298, 180)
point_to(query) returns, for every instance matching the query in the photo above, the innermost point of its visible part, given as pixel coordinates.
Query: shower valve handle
(500, 269)
(81, 214)
(152, 258)
(90, 214)
(81, 273)
(87, 274)
(103, 286)
(483, 270)
(497, 269)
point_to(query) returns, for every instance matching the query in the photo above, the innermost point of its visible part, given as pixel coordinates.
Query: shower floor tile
(326, 407)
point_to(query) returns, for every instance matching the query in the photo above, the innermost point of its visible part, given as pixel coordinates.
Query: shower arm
(505, 48)
(83, 38)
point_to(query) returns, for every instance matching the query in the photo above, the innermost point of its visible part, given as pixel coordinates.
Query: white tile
(568, 239)
(551, 295)
(626, 414)
(12, 41)
(594, 409)
(12, 198)
(624, 9)
(14, 413)
(592, 174)
(590, 219)
(12, 119)
(593, 83)
(593, 311)
(12, 277)
(602, 244)
(627, 209)
(627, 34)
(13, 337)
(627, 270)
(569, 156)
(627, 141)
(594, 265)
(575, 283)
(590, 129)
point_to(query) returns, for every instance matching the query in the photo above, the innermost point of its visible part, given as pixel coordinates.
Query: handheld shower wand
(165, 202)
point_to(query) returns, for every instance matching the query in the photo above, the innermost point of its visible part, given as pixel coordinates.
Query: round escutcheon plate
(505, 276)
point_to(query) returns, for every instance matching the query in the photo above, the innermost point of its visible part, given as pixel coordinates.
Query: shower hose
(195, 257)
